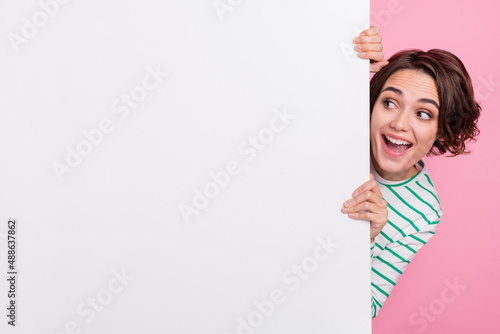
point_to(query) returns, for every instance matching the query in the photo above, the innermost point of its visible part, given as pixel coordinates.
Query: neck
(399, 176)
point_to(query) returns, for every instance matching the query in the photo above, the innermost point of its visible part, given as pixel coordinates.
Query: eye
(387, 104)
(424, 115)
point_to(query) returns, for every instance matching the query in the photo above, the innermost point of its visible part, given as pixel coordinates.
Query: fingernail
(356, 40)
(345, 210)
(351, 215)
(362, 53)
(355, 193)
(347, 203)
(358, 47)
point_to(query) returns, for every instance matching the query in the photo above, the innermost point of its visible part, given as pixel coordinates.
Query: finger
(377, 56)
(374, 30)
(375, 188)
(364, 187)
(377, 39)
(368, 47)
(365, 206)
(375, 67)
(367, 196)
(368, 201)
(367, 186)
(363, 216)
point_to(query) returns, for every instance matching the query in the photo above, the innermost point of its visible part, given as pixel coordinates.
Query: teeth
(397, 141)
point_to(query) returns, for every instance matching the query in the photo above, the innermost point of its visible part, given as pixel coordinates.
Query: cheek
(376, 121)
(427, 136)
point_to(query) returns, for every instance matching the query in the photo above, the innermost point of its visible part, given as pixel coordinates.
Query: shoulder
(425, 191)
(413, 204)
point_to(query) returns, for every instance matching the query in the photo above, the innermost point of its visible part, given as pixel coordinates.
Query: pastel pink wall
(466, 247)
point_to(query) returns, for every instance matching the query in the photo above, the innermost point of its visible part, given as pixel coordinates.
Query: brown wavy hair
(458, 111)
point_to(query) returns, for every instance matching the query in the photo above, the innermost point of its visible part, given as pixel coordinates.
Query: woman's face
(404, 123)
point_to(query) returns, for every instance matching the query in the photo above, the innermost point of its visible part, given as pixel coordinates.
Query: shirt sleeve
(391, 262)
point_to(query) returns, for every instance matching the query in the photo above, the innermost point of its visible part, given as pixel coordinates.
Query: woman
(421, 103)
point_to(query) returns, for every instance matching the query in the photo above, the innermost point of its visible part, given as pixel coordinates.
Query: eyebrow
(399, 92)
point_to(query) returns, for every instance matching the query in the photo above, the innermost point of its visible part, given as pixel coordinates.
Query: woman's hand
(369, 46)
(367, 204)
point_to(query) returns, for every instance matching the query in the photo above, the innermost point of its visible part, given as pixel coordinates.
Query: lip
(392, 153)
(397, 137)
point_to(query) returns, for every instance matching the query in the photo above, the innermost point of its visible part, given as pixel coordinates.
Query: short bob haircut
(458, 111)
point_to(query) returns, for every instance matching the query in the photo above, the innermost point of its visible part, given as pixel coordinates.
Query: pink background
(465, 249)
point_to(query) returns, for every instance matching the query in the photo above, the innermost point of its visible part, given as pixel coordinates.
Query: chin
(392, 165)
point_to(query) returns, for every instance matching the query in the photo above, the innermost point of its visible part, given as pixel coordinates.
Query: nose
(401, 121)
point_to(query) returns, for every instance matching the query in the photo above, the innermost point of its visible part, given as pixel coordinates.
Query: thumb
(375, 67)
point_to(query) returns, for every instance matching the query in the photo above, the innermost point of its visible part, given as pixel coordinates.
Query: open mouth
(396, 145)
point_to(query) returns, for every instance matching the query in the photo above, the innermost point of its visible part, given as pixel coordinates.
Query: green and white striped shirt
(414, 212)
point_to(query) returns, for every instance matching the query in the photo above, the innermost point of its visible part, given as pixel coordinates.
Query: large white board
(180, 166)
